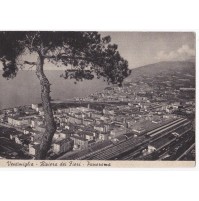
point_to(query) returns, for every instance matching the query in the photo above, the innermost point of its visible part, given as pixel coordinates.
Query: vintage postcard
(97, 99)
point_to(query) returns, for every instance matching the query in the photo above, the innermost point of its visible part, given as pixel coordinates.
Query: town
(148, 118)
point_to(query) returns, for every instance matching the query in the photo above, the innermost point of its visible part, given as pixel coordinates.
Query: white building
(33, 148)
(17, 121)
(35, 106)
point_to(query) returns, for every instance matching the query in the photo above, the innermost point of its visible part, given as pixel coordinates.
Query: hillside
(165, 67)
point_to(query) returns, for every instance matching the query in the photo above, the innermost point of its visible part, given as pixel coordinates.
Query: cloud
(182, 53)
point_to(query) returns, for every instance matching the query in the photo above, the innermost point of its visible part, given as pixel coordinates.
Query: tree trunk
(48, 114)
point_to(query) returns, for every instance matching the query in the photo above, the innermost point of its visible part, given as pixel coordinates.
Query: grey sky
(141, 48)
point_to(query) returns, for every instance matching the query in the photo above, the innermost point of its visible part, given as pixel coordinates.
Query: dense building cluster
(105, 118)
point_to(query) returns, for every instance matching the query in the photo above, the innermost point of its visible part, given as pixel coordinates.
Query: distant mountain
(164, 67)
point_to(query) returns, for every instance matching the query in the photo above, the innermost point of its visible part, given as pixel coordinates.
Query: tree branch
(30, 63)
(63, 55)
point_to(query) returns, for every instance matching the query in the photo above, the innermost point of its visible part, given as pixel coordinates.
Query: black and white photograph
(97, 98)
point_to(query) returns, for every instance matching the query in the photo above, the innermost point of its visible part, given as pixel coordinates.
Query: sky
(142, 48)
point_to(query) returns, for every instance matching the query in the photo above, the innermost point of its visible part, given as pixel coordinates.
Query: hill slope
(164, 67)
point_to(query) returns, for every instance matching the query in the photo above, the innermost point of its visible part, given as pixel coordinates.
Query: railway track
(176, 144)
(186, 152)
(133, 143)
(155, 155)
(154, 138)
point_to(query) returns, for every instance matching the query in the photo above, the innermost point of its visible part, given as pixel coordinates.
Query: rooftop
(63, 141)
(79, 138)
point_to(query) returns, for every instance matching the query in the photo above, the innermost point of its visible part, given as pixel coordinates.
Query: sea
(25, 89)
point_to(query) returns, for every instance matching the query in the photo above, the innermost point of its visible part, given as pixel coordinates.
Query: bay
(24, 89)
